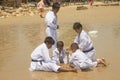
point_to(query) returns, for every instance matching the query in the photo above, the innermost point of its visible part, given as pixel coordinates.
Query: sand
(20, 35)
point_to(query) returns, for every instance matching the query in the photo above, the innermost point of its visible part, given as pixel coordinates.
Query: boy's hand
(67, 51)
(57, 26)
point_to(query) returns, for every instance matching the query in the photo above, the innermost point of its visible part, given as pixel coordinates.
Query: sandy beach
(20, 35)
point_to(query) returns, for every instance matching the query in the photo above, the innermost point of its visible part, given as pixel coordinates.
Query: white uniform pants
(36, 66)
(53, 34)
(84, 65)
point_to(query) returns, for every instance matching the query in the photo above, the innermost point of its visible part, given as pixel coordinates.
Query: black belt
(51, 27)
(37, 61)
(48, 26)
(88, 50)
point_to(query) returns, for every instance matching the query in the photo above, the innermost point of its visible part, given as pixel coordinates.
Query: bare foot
(102, 61)
(74, 70)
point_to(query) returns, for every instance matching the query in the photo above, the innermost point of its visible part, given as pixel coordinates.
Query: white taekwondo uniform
(41, 60)
(51, 23)
(59, 56)
(81, 61)
(85, 44)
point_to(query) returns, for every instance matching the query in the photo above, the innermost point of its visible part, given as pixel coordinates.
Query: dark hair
(49, 40)
(77, 25)
(56, 5)
(74, 45)
(60, 43)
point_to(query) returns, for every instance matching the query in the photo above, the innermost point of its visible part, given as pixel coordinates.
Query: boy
(59, 54)
(40, 6)
(40, 58)
(83, 40)
(80, 61)
(51, 22)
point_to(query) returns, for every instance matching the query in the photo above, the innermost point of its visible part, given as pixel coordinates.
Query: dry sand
(20, 35)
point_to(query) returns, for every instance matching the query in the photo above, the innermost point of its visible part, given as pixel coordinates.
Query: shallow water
(20, 35)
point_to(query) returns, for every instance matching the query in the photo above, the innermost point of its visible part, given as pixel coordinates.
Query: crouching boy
(59, 54)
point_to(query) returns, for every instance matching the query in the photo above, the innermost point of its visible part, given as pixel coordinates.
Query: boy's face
(49, 46)
(60, 48)
(73, 49)
(56, 10)
(78, 30)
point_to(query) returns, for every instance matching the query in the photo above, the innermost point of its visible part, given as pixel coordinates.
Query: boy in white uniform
(40, 58)
(83, 40)
(59, 54)
(51, 22)
(79, 60)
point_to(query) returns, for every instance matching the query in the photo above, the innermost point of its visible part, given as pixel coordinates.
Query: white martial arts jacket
(81, 61)
(51, 23)
(51, 20)
(56, 56)
(45, 63)
(85, 44)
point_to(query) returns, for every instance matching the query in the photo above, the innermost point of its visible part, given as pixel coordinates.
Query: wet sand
(20, 35)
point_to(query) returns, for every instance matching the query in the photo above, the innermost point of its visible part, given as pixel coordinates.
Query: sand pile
(25, 9)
